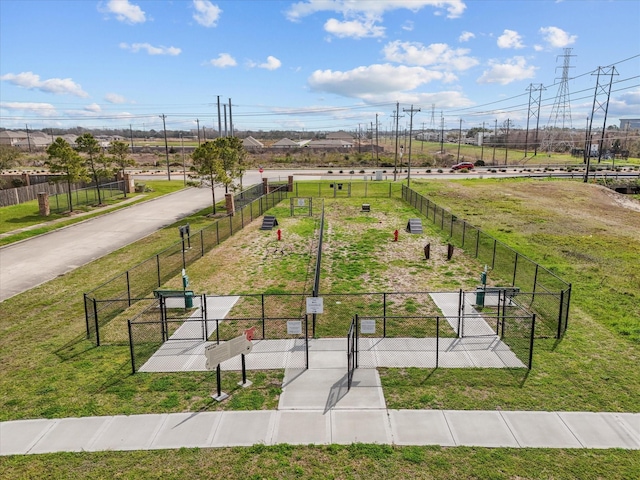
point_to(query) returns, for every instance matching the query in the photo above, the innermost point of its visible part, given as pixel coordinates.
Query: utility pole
(412, 112)
(166, 145)
(495, 140)
(28, 137)
(482, 144)
(372, 157)
(459, 139)
(131, 135)
(230, 120)
(377, 144)
(441, 133)
(359, 138)
(225, 119)
(506, 143)
(198, 122)
(422, 144)
(184, 168)
(219, 120)
(396, 115)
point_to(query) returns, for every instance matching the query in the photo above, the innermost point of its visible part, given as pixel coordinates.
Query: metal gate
(179, 322)
(352, 350)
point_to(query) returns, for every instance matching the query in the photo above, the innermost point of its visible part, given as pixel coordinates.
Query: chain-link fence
(550, 295)
(111, 299)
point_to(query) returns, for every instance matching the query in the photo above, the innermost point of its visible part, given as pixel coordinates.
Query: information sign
(315, 305)
(294, 327)
(218, 353)
(367, 326)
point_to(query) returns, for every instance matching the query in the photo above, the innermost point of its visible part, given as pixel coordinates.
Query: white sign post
(220, 352)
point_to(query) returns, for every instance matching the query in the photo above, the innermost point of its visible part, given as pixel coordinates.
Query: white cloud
(93, 108)
(150, 49)
(510, 39)
(407, 26)
(31, 81)
(224, 60)
(538, 48)
(207, 14)
(466, 36)
(438, 55)
(556, 37)
(372, 81)
(124, 11)
(272, 63)
(115, 98)
(504, 73)
(354, 28)
(41, 109)
(351, 8)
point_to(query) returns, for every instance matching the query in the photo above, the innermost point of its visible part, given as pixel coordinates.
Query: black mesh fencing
(112, 298)
(506, 264)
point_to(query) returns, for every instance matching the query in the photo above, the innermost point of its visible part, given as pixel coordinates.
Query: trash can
(480, 296)
(188, 299)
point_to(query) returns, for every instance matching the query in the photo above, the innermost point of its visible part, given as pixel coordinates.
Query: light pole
(184, 170)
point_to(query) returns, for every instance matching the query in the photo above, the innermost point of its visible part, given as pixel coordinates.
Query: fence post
(218, 232)
(533, 328)
(230, 225)
(202, 243)
(158, 268)
(477, 241)
(384, 313)
(128, 288)
(131, 352)
(86, 314)
(460, 312)
(535, 283)
(306, 341)
(262, 300)
(464, 231)
(493, 261)
(566, 315)
(95, 310)
(560, 314)
(515, 269)
(437, 340)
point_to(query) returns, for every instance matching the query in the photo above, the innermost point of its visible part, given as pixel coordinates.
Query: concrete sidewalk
(316, 408)
(341, 426)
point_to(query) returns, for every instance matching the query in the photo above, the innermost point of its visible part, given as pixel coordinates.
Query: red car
(462, 165)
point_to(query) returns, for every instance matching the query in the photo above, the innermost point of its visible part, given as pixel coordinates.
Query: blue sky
(312, 64)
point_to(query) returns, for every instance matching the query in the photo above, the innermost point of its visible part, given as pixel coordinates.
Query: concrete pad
(244, 428)
(599, 430)
(630, 421)
(186, 430)
(328, 359)
(19, 436)
(479, 429)
(327, 389)
(325, 344)
(128, 433)
(420, 427)
(360, 426)
(70, 435)
(540, 430)
(298, 427)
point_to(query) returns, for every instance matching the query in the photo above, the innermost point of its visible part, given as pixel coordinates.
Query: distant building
(340, 135)
(251, 143)
(9, 137)
(629, 123)
(285, 143)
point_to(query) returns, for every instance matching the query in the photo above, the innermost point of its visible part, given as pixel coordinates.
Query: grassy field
(49, 370)
(22, 221)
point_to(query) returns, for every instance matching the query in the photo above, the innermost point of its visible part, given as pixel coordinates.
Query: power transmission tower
(601, 98)
(432, 124)
(560, 117)
(534, 111)
(412, 111)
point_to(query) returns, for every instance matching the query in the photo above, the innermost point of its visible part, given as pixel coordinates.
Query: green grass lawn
(26, 215)
(50, 371)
